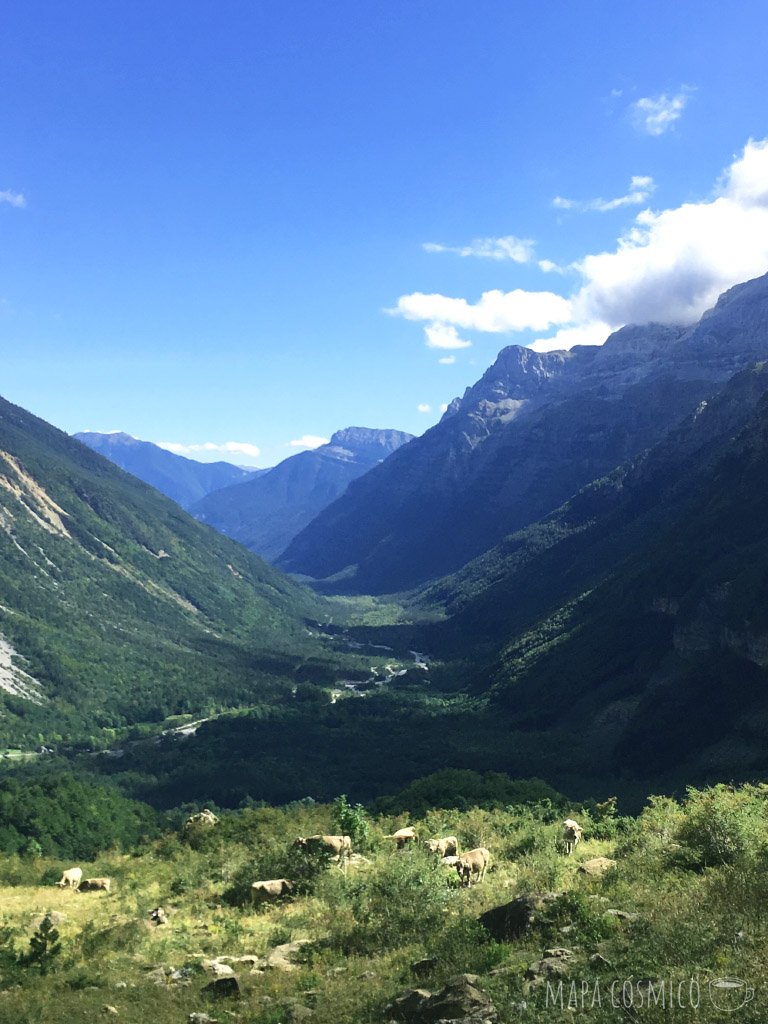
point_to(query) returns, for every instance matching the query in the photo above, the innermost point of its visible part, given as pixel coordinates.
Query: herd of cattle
(470, 866)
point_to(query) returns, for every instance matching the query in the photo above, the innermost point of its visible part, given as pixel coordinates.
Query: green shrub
(586, 917)
(299, 865)
(353, 822)
(655, 829)
(400, 901)
(723, 825)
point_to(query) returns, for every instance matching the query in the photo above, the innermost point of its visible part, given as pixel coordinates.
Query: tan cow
(339, 846)
(473, 865)
(403, 836)
(572, 833)
(446, 847)
(95, 885)
(273, 889)
(71, 879)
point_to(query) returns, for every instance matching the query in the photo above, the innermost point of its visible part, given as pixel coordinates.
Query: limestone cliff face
(530, 433)
(266, 512)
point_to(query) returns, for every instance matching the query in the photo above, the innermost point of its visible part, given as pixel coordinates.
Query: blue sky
(257, 222)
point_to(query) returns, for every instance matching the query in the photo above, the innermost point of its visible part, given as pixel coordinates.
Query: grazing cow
(71, 878)
(339, 846)
(95, 885)
(446, 847)
(473, 864)
(572, 833)
(265, 892)
(403, 836)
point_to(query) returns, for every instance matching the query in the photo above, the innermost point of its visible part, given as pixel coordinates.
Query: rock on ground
(460, 1001)
(510, 920)
(597, 866)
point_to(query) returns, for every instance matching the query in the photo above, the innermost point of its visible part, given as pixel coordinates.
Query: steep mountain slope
(528, 435)
(657, 651)
(266, 513)
(539, 568)
(116, 607)
(184, 480)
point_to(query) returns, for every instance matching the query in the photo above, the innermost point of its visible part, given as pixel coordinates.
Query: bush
(585, 916)
(299, 865)
(723, 825)
(353, 822)
(44, 947)
(655, 829)
(403, 899)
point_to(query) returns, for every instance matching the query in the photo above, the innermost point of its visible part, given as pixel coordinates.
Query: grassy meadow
(689, 880)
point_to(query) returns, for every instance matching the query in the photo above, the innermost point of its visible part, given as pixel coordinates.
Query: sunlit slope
(120, 606)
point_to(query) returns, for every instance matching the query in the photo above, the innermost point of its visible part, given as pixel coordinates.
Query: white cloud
(495, 312)
(672, 265)
(13, 199)
(443, 407)
(210, 448)
(640, 188)
(309, 441)
(442, 336)
(657, 114)
(593, 333)
(669, 266)
(548, 267)
(423, 407)
(508, 247)
(447, 360)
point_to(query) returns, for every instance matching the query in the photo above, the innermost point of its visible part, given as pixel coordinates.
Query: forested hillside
(118, 608)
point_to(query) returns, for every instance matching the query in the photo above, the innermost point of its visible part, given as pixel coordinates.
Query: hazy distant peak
(367, 437)
(110, 437)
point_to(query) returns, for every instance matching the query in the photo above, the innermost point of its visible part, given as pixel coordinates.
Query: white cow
(339, 846)
(572, 833)
(448, 846)
(473, 864)
(403, 836)
(71, 879)
(272, 889)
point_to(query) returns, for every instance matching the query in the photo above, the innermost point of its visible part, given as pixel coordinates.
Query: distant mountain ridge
(529, 434)
(184, 480)
(265, 513)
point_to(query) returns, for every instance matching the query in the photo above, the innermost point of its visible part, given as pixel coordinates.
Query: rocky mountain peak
(517, 376)
(355, 438)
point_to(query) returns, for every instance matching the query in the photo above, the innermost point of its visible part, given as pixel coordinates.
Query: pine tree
(44, 946)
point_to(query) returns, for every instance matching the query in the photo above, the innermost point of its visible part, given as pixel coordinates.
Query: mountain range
(266, 512)
(530, 433)
(605, 616)
(184, 480)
